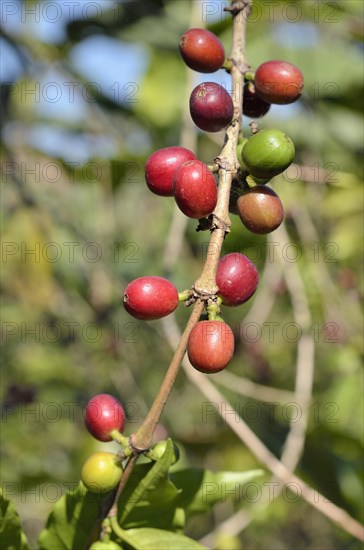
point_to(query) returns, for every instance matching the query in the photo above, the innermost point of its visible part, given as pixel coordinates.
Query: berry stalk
(227, 160)
(205, 286)
(142, 439)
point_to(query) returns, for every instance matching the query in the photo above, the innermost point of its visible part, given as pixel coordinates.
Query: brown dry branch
(205, 287)
(259, 392)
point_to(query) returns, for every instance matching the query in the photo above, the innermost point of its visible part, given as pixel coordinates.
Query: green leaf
(201, 489)
(11, 535)
(150, 498)
(150, 539)
(72, 520)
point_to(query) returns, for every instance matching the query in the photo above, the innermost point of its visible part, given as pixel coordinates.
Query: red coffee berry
(104, 414)
(201, 50)
(161, 166)
(278, 82)
(194, 189)
(253, 105)
(211, 107)
(237, 279)
(210, 346)
(260, 209)
(150, 297)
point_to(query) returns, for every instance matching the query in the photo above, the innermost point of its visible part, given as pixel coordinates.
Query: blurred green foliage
(94, 226)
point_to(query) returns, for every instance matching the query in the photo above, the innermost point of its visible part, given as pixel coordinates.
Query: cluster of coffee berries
(175, 171)
(104, 419)
(211, 342)
(266, 153)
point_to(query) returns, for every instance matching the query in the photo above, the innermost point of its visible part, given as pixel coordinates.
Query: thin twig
(246, 387)
(205, 287)
(142, 439)
(124, 479)
(227, 160)
(305, 356)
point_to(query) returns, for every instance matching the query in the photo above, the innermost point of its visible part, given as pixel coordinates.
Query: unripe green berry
(268, 153)
(101, 472)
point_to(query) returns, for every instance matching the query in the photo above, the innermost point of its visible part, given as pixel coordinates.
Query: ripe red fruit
(201, 50)
(161, 166)
(150, 297)
(210, 346)
(253, 105)
(237, 279)
(211, 107)
(260, 209)
(103, 414)
(278, 82)
(195, 189)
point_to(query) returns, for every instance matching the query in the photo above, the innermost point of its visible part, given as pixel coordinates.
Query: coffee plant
(136, 498)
